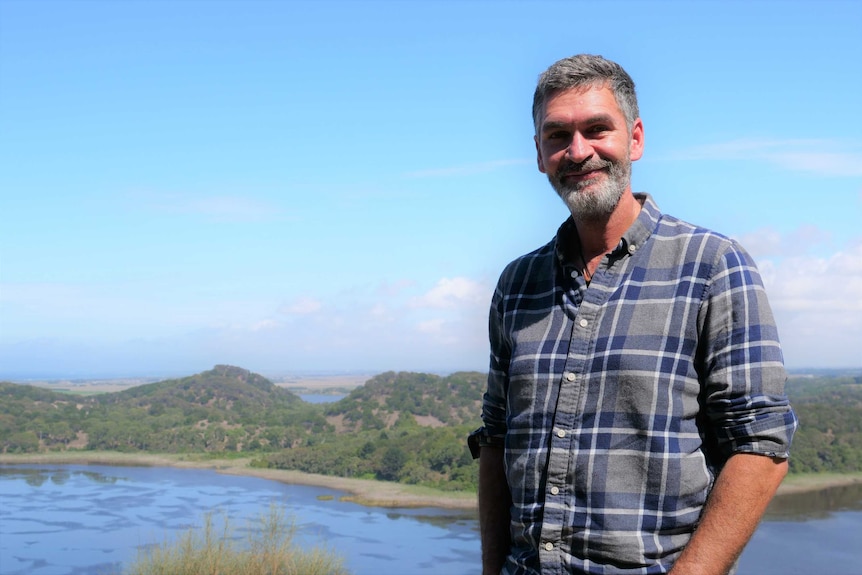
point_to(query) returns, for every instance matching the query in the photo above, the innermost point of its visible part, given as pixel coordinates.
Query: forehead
(581, 102)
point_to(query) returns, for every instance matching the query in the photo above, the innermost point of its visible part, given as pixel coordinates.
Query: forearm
(494, 502)
(742, 491)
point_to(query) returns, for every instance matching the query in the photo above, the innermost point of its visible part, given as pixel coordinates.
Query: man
(635, 418)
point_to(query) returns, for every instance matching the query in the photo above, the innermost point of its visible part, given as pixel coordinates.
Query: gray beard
(593, 204)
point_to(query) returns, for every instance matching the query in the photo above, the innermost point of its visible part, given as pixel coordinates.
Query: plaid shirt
(619, 403)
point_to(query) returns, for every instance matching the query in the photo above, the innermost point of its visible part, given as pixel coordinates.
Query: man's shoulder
(657, 225)
(540, 255)
(692, 242)
(535, 266)
(671, 227)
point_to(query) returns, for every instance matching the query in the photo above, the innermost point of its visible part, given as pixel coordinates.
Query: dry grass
(268, 550)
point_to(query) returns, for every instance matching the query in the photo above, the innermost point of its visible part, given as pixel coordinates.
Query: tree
(394, 459)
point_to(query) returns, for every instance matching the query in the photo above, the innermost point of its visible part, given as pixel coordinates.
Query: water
(76, 520)
(815, 533)
(322, 397)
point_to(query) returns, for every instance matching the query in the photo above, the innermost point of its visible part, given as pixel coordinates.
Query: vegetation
(405, 427)
(829, 438)
(269, 550)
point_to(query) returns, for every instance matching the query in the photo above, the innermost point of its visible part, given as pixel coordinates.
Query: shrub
(269, 550)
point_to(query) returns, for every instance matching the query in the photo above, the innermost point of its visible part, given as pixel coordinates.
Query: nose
(579, 149)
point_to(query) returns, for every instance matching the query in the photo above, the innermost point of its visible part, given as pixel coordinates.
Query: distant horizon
(36, 377)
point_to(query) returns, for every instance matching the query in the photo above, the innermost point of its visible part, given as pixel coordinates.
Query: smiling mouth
(582, 176)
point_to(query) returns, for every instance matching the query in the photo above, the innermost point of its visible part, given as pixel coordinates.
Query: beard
(590, 200)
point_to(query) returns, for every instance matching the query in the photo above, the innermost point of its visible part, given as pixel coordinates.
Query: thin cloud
(450, 293)
(393, 289)
(226, 208)
(302, 306)
(265, 325)
(468, 169)
(218, 208)
(767, 242)
(824, 157)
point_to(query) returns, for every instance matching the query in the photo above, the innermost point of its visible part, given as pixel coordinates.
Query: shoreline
(368, 492)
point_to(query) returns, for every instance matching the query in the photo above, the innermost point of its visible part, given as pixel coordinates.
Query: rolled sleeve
(494, 399)
(744, 366)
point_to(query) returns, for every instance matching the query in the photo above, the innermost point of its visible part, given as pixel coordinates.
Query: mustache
(569, 167)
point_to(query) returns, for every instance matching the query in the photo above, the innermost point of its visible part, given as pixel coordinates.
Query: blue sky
(335, 186)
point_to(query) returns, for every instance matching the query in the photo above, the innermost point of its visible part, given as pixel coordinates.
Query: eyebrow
(597, 119)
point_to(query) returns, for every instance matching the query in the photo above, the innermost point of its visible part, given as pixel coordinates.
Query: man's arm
(742, 491)
(494, 502)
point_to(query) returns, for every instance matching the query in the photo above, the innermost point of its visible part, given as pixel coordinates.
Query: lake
(76, 520)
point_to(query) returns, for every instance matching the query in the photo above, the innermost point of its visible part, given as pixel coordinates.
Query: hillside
(231, 410)
(224, 409)
(407, 427)
(829, 437)
(228, 393)
(433, 401)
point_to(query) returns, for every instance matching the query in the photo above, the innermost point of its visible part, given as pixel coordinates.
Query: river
(77, 520)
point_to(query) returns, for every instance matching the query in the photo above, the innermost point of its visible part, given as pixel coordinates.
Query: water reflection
(819, 504)
(36, 477)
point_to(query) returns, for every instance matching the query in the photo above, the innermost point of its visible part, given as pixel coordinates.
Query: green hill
(398, 426)
(408, 427)
(829, 437)
(432, 400)
(224, 409)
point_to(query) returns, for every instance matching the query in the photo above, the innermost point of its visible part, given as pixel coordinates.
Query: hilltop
(398, 426)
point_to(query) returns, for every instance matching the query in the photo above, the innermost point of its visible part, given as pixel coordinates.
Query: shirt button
(549, 546)
(561, 433)
(555, 490)
(632, 248)
(574, 273)
(570, 376)
(583, 323)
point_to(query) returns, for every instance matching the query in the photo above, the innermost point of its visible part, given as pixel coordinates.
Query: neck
(601, 236)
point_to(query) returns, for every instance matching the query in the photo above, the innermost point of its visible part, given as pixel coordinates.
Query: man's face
(586, 150)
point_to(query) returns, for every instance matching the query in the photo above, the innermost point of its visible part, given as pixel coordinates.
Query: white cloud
(818, 306)
(302, 306)
(451, 293)
(823, 157)
(264, 325)
(769, 242)
(380, 311)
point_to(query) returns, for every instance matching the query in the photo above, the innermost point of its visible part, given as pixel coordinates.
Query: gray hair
(583, 71)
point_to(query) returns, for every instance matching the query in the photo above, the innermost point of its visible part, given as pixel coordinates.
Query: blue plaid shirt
(618, 403)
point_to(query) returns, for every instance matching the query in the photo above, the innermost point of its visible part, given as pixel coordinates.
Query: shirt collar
(568, 244)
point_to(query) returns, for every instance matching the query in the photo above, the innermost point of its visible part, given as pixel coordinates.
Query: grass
(796, 482)
(269, 549)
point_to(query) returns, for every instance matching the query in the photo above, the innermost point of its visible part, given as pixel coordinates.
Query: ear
(637, 140)
(539, 160)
